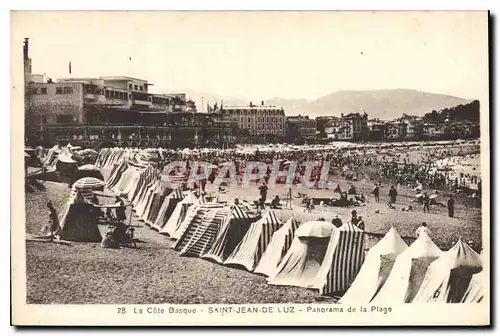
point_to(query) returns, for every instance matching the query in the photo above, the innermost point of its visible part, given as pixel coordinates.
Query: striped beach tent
(475, 290)
(193, 215)
(408, 272)
(145, 197)
(448, 277)
(301, 263)
(376, 268)
(156, 203)
(167, 208)
(157, 189)
(343, 260)
(251, 248)
(179, 213)
(116, 173)
(277, 248)
(200, 238)
(234, 228)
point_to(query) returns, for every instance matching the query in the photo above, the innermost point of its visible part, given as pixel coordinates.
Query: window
(68, 90)
(249, 119)
(130, 86)
(140, 88)
(130, 96)
(59, 90)
(135, 87)
(33, 90)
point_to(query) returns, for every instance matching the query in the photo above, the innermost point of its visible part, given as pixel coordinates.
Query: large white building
(257, 120)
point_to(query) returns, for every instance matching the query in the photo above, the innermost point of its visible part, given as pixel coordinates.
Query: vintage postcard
(233, 168)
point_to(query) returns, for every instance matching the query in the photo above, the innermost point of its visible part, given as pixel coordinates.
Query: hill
(383, 104)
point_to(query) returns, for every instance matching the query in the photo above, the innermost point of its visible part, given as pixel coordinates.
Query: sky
(262, 55)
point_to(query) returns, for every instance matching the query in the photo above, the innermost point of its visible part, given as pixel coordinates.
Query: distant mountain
(383, 104)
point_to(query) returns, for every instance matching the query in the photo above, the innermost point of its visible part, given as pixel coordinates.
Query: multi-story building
(258, 122)
(433, 131)
(300, 128)
(321, 123)
(110, 111)
(376, 129)
(352, 126)
(413, 127)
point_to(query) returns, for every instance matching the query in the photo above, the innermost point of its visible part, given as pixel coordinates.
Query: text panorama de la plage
(222, 310)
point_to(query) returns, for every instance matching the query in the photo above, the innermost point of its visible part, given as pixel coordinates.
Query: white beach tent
(303, 260)
(343, 260)
(475, 290)
(408, 272)
(376, 269)
(447, 278)
(254, 243)
(277, 248)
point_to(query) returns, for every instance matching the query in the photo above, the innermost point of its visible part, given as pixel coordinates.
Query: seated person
(275, 203)
(352, 190)
(120, 211)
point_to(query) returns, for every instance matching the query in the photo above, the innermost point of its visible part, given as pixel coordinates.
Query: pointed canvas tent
(167, 208)
(179, 213)
(156, 203)
(78, 221)
(232, 231)
(475, 290)
(159, 189)
(343, 260)
(251, 248)
(277, 248)
(199, 239)
(375, 270)
(303, 260)
(192, 221)
(447, 278)
(408, 272)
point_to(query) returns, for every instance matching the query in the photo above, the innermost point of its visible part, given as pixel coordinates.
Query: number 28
(121, 310)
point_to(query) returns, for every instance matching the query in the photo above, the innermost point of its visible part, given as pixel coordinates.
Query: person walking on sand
(392, 194)
(54, 227)
(451, 207)
(376, 192)
(263, 192)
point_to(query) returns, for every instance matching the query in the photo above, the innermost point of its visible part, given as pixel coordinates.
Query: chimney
(251, 104)
(342, 115)
(26, 49)
(262, 103)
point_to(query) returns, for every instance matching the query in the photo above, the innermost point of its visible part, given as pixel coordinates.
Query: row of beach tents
(312, 255)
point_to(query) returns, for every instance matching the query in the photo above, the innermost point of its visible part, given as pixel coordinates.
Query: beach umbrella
(318, 229)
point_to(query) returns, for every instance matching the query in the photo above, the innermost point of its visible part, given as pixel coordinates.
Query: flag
(70, 67)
